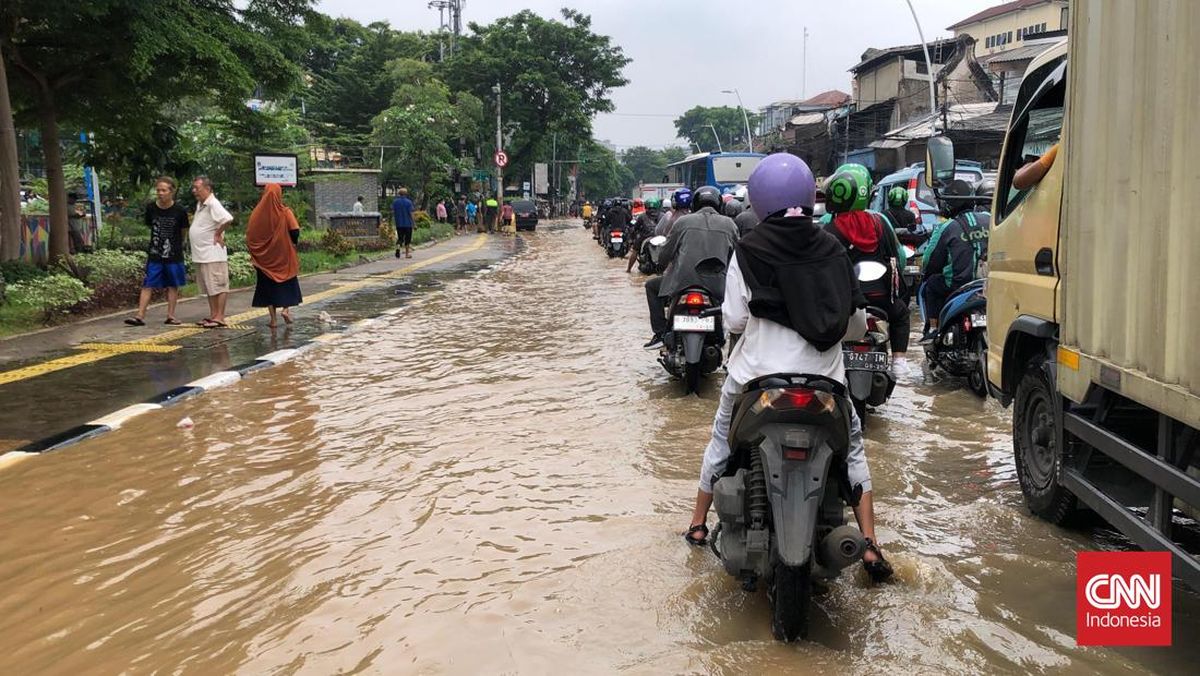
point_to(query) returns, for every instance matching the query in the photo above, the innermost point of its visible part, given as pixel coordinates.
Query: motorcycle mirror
(869, 271)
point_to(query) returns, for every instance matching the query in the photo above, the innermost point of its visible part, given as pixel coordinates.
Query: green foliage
(554, 76)
(241, 269)
(15, 272)
(336, 244)
(650, 166)
(51, 294)
(36, 207)
(108, 266)
(434, 231)
(421, 219)
(602, 175)
(730, 126)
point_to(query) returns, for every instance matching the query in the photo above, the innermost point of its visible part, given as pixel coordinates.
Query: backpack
(881, 292)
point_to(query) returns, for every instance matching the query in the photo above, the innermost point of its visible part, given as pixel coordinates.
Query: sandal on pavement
(171, 321)
(213, 324)
(698, 528)
(879, 569)
(135, 321)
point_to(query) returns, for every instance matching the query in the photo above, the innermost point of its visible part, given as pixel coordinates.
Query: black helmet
(706, 196)
(986, 188)
(732, 208)
(956, 197)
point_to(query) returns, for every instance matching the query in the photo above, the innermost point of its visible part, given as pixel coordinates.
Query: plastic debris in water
(185, 424)
(327, 318)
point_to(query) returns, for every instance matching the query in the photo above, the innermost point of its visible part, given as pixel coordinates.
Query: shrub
(335, 243)
(15, 272)
(421, 219)
(387, 234)
(51, 294)
(241, 269)
(110, 266)
(235, 241)
(36, 207)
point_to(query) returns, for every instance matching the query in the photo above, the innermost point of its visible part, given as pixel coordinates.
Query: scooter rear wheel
(691, 378)
(790, 595)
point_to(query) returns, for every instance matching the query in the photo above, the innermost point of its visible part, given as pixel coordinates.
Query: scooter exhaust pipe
(843, 546)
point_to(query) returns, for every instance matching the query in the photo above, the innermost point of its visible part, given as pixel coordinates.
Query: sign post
(281, 169)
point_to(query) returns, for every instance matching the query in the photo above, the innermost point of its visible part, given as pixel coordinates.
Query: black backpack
(881, 292)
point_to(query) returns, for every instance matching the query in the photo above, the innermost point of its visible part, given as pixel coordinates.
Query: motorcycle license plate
(695, 324)
(865, 361)
(979, 321)
(617, 240)
(913, 270)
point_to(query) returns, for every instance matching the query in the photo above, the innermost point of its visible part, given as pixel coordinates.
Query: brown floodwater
(493, 481)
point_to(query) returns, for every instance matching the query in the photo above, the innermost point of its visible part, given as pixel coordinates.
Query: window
(1042, 28)
(989, 42)
(922, 68)
(1038, 126)
(1009, 39)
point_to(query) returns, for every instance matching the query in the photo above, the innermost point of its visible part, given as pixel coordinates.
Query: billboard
(281, 169)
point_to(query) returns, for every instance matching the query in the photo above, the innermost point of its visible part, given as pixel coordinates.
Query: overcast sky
(686, 51)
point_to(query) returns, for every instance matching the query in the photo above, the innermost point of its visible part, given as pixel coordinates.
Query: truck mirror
(939, 161)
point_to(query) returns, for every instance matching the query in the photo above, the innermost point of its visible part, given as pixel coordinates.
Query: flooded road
(493, 481)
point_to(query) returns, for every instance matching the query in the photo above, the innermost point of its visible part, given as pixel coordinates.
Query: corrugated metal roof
(1021, 53)
(807, 119)
(919, 128)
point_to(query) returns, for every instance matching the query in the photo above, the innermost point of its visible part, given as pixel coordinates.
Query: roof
(1022, 53)
(832, 98)
(873, 56)
(806, 119)
(960, 116)
(998, 10)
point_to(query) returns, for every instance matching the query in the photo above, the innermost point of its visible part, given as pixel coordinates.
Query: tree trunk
(10, 180)
(60, 238)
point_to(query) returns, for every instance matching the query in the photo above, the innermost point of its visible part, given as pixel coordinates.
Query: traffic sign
(501, 158)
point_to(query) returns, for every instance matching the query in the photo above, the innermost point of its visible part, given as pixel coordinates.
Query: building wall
(880, 84)
(335, 192)
(1050, 14)
(913, 100)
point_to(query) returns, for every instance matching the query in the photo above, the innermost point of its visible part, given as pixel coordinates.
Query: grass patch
(16, 319)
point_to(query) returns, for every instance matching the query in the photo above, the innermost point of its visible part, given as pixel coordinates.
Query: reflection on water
(492, 481)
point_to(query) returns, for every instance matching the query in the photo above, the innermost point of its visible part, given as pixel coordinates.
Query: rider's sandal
(698, 528)
(879, 569)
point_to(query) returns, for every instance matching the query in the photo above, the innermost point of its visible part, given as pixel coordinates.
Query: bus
(720, 170)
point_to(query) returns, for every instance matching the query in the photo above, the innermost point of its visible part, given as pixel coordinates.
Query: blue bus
(720, 170)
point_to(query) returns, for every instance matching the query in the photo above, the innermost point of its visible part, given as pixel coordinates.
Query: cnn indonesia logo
(1123, 598)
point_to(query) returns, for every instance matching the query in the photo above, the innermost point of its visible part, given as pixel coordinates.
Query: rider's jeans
(716, 455)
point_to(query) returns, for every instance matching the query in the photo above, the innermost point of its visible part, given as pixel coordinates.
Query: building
(1008, 26)
(1007, 68)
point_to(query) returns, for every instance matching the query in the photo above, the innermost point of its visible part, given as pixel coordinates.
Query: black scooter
(781, 502)
(692, 345)
(868, 361)
(960, 346)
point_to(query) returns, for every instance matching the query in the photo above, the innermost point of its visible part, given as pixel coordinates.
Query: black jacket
(697, 252)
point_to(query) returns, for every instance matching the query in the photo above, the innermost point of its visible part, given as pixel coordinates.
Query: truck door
(1022, 258)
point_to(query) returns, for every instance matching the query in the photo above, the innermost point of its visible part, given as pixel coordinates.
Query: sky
(686, 51)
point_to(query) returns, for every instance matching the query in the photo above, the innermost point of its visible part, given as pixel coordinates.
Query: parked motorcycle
(960, 346)
(649, 255)
(692, 346)
(781, 501)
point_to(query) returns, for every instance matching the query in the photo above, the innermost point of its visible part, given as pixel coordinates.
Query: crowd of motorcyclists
(779, 262)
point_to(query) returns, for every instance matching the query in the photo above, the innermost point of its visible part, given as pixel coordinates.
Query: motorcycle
(615, 242)
(914, 251)
(649, 254)
(868, 360)
(781, 501)
(692, 346)
(960, 346)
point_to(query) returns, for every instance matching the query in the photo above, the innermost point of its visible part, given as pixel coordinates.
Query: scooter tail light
(966, 323)
(793, 453)
(796, 398)
(694, 299)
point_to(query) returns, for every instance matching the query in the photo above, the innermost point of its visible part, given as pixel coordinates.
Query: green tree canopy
(649, 166)
(728, 122)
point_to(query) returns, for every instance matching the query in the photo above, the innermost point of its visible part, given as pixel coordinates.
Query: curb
(219, 379)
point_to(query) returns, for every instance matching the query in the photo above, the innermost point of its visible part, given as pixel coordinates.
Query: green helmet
(654, 203)
(897, 196)
(859, 194)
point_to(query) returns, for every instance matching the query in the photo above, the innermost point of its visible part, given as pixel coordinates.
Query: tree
(601, 175)
(151, 52)
(10, 182)
(650, 166)
(728, 122)
(554, 76)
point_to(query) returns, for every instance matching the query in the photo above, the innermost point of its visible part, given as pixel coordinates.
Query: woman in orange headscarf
(271, 237)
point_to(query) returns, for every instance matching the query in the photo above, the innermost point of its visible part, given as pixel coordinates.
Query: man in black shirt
(167, 221)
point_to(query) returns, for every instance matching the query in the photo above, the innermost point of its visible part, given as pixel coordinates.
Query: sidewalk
(56, 378)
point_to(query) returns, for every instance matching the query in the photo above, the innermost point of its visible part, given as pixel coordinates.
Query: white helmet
(742, 193)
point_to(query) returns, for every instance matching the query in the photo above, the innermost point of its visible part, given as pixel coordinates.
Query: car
(526, 213)
(920, 196)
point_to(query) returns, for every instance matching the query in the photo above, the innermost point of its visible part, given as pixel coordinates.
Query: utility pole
(945, 104)
(499, 147)
(803, 69)
(454, 27)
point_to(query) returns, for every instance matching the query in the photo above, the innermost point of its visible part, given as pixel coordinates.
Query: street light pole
(716, 136)
(928, 67)
(745, 118)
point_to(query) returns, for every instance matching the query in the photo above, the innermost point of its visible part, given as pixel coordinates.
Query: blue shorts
(164, 275)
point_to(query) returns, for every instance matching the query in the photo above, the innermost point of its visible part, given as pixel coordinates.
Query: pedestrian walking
(441, 211)
(272, 234)
(473, 214)
(506, 216)
(402, 214)
(165, 269)
(358, 206)
(460, 215)
(490, 212)
(207, 239)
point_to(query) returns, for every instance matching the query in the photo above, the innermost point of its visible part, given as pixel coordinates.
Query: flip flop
(203, 323)
(698, 528)
(171, 321)
(135, 321)
(878, 570)
(213, 324)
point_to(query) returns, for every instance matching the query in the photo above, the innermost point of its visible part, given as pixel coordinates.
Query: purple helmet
(781, 181)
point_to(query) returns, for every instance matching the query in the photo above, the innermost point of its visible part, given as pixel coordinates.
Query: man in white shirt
(791, 293)
(207, 239)
(358, 206)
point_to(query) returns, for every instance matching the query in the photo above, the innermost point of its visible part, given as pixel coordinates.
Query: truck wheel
(790, 594)
(977, 380)
(1038, 458)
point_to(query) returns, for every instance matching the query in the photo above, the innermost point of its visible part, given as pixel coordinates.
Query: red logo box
(1123, 598)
